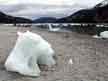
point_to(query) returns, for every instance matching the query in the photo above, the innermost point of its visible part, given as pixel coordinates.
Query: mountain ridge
(4, 18)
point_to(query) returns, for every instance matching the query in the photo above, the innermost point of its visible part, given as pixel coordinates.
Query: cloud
(4, 2)
(48, 8)
(50, 2)
(35, 11)
(11, 8)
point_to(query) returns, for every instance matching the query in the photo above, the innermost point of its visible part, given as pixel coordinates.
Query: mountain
(102, 12)
(4, 18)
(45, 20)
(97, 14)
(102, 4)
(85, 15)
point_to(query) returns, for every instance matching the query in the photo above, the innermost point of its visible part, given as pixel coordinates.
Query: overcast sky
(47, 8)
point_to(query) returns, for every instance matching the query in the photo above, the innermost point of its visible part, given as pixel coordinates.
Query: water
(53, 27)
(71, 27)
(89, 28)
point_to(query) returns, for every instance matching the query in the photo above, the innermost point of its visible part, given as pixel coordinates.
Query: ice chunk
(30, 50)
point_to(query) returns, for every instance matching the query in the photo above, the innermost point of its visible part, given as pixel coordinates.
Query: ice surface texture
(30, 50)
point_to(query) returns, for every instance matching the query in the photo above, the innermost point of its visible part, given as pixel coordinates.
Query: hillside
(4, 18)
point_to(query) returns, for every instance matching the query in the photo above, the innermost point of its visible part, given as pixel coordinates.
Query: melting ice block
(103, 34)
(30, 50)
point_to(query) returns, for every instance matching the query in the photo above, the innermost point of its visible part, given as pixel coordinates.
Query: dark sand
(90, 56)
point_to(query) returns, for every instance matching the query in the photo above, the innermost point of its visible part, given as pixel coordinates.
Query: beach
(89, 56)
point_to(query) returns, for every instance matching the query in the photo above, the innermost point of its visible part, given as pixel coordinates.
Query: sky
(34, 9)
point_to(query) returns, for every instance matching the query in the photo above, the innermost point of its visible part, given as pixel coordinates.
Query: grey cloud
(38, 10)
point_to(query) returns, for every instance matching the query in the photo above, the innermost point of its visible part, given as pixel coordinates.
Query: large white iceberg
(30, 50)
